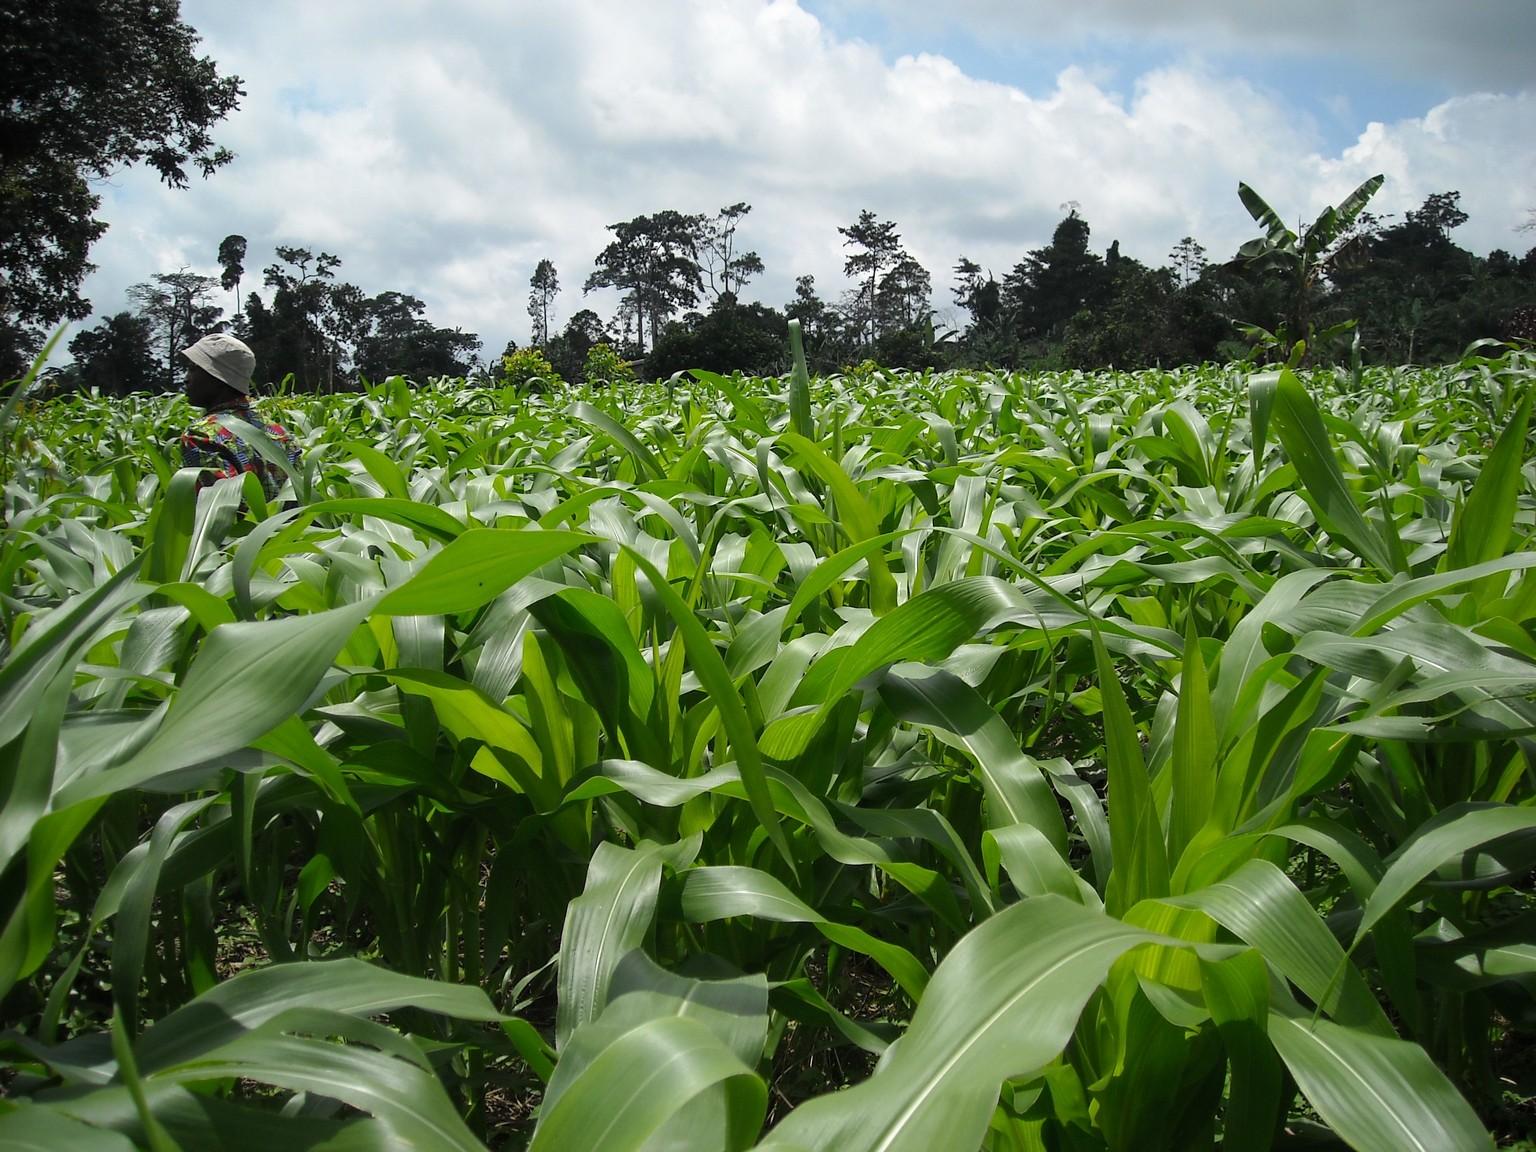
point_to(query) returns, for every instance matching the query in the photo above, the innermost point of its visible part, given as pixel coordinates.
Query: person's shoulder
(203, 427)
(273, 427)
(215, 422)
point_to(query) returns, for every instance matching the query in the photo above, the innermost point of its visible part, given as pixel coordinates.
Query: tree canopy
(88, 87)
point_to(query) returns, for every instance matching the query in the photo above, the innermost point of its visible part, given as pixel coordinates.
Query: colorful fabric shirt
(210, 444)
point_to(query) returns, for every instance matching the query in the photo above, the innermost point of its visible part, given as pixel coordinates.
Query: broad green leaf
(1482, 528)
(721, 892)
(54, 643)
(1016, 790)
(800, 417)
(1135, 832)
(247, 678)
(1261, 907)
(1194, 751)
(1003, 1003)
(609, 919)
(408, 1099)
(623, 437)
(476, 567)
(251, 998)
(710, 669)
(1310, 449)
(926, 628)
(854, 514)
(510, 756)
(1380, 1094)
(1444, 838)
(641, 1081)
(1277, 233)
(36, 1128)
(1236, 990)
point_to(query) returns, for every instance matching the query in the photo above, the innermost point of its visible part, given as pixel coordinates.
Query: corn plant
(884, 761)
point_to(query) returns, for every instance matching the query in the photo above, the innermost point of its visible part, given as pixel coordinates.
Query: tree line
(1404, 287)
(90, 89)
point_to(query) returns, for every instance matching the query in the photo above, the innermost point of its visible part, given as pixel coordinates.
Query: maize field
(878, 763)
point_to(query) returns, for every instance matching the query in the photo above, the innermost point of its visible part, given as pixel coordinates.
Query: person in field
(218, 380)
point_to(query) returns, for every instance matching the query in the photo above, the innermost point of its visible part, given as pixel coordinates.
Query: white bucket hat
(225, 358)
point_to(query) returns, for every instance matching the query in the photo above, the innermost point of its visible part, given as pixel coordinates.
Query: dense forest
(1416, 295)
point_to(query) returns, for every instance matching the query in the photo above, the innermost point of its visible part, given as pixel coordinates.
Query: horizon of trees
(1415, 294)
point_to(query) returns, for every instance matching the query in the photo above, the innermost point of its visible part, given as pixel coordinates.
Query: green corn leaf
(1016, 790)
(608, 426)
(510, 756)
(1002, 1004)
(642, 1080)
(1483, 525)
(717, 893)
(407, 1099)
(35, 1128)
(1033, 864)
(1261, 907)
(381, 468)
(1380, 1094)
(55, 643)
(854, 513)
(478, 566)
(252, 998)
(609, 919)
(1261, 404)
(1236, 990)
(801, 420)
(927, 627)
(1310, 450)
(1135, 832)
(1194, 751)
(712, 674)
(246, 679)
(1446, 837)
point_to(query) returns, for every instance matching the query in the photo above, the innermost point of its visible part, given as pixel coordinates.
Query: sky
(444, 147)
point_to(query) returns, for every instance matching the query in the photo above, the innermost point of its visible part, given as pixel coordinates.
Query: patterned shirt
(210, 444)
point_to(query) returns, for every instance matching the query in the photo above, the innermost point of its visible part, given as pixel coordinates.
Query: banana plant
(1303, 257)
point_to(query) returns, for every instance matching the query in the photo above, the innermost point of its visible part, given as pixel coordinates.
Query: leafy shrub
(528, 368)
(605, 366)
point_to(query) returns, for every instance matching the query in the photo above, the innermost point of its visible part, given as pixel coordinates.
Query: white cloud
(446, 157)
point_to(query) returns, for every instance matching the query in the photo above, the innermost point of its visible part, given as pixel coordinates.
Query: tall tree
(807, 307)
(1441, 213)
(730, 337)
(904, 297)
(654, 261)
(982, 297)
(115, 357)
(1415, 292)
(567, 351)
(1188, 260)
(179, 309)
(725, 270)
(395, 338)
(88, 87)
(877, 246)
(232, 267)
(1052, 284)
(545, 285)
(291, 335)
